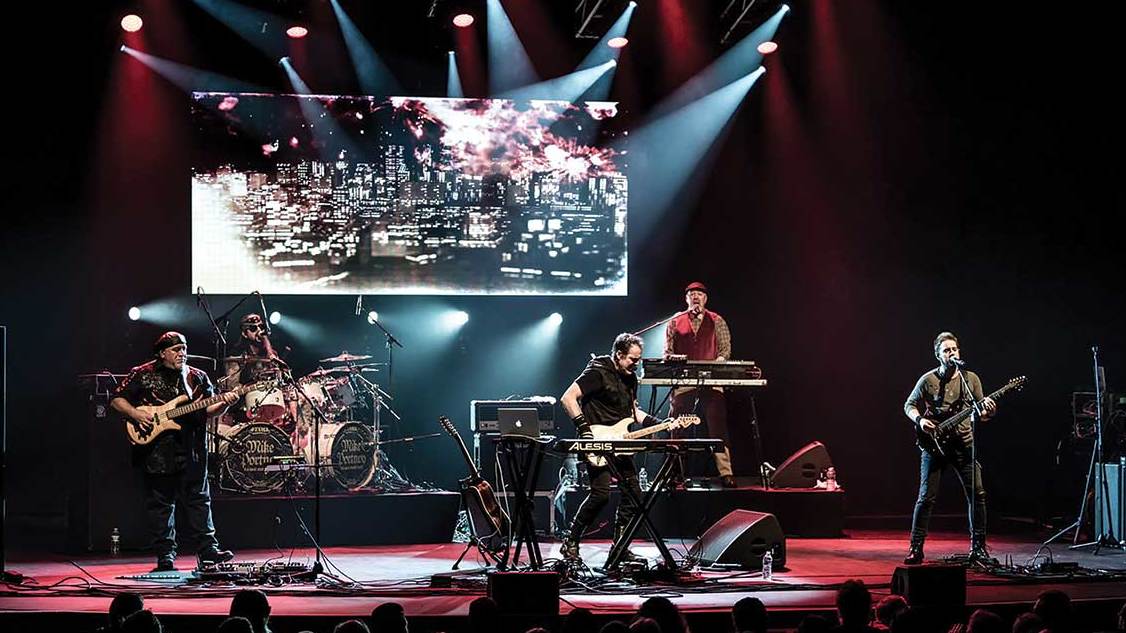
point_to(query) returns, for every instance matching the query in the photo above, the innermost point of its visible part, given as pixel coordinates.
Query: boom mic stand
(1104, 538)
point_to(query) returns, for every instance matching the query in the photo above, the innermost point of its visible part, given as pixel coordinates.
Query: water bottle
(768, 565)
(643, 479)
(831, 479)
(115, 542)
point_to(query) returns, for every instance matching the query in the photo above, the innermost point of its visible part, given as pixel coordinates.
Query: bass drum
(348, 451)
(248, 450)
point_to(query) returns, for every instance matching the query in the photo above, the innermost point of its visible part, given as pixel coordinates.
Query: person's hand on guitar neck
(927, 426)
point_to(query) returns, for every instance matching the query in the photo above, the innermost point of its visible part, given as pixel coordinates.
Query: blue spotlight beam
(317, 116)
(741, 59)
(250, 24)
(669, 151)
(453, 79)
(374, 76)
(509, 66)
(191, 79)
(566, 88)
(601, 53)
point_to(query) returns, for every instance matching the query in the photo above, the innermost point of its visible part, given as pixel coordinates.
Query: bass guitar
(487, 519)
(164, 415)
(946, 435)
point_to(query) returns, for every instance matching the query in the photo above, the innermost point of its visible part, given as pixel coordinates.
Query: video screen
(314, 194)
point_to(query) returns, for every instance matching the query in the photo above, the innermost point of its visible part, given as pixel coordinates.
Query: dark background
(900, 170)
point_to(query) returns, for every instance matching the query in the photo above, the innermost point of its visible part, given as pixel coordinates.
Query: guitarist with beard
(938, 394)
(603, 394)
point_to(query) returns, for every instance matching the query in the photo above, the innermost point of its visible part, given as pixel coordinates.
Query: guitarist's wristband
(581, 425)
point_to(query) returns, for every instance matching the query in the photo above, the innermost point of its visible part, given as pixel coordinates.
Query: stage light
(373, 316)
(461, 317)
(555, 319)
(454, 319)
(296, 32)
(463, 20)
(275, 317)
(134, 314)
(767, 47)
(617, 42)
(132, 23)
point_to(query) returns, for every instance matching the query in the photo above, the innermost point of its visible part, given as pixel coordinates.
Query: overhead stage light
(275, 317)
(373, 316)
(297, 32)
(555, 319)
(463, 20)
(132, 23)
(617, 42)
(134, 313)
(767, 47)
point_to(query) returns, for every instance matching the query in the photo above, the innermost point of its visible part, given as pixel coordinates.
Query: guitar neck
(964, 414)
(649, 430)
(452, 432)
(192, 407)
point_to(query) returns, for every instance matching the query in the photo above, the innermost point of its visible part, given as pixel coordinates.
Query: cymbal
(317, 373)
(345, 357)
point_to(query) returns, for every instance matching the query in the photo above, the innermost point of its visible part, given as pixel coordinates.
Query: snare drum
(246, 452)
(265, 406)
(348, 451)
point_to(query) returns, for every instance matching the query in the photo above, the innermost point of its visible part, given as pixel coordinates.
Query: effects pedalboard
(257, 573)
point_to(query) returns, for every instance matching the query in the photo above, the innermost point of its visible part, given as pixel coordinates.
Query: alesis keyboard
(583, 447)
(664, 372)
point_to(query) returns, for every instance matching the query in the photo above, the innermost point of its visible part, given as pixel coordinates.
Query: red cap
(696, 285)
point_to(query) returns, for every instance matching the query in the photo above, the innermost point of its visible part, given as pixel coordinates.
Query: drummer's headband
(168, 339)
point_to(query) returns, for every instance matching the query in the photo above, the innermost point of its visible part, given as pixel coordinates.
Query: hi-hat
(345, 357)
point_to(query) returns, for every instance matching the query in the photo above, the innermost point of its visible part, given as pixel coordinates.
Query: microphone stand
(220, 341)
(1104, 537)
(975, 475)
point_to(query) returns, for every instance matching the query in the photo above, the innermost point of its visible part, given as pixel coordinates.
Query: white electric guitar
(620, 431)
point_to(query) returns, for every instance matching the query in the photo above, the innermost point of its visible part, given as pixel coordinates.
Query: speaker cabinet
(742, 538)
(803, 468)
(931, 586)
(1110, 523)
(525, 593)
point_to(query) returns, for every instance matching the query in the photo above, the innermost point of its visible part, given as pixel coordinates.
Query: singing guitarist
(175, 462)
(603, 394)
(938, 394)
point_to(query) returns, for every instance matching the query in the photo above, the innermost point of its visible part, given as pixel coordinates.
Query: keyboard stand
(644, 505)
(521, 458)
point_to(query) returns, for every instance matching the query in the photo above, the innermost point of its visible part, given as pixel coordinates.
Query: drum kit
(264, 444)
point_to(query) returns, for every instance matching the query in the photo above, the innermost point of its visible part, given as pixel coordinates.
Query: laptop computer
(518, 422)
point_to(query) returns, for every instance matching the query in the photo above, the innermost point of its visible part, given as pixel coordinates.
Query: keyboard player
(701, 334)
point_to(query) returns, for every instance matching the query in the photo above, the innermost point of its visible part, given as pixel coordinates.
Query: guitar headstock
(1017, 383)
(447, 425)
(682, 421)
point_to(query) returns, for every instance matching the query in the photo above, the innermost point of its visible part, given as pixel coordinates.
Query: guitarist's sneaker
(214, 556)
(980, 554)
(163, 565)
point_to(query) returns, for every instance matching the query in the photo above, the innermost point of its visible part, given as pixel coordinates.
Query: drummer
(253, 359)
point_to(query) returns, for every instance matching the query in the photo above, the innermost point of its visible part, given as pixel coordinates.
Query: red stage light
(463, 20)
(297, 32)
(617, 42)
(132, 23)
(767, 47)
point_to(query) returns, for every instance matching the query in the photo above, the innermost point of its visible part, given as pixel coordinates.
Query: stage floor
(401, 573)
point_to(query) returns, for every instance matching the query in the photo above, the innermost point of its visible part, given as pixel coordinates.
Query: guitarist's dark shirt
(153, 383)
(608, 394)
(938, 397)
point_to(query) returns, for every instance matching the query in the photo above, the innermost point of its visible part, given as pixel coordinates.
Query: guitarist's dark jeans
(192, 490)
(600, 495)
(930, 476)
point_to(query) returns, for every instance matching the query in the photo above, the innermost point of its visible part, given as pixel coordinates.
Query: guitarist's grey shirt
(937, 397)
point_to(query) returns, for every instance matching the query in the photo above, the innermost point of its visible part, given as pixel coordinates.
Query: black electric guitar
(486, 518)
(946, 434)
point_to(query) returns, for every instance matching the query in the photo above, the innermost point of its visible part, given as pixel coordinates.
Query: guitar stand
(522, 458)
(643, 505)
(482, 549)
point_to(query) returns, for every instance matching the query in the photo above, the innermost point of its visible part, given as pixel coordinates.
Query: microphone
(957, 362)
(359, 305)
(265, 317)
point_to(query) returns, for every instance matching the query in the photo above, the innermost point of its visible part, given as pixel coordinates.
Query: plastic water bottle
(643, 479)
(831, 479)
(768, 565)
(115, 542)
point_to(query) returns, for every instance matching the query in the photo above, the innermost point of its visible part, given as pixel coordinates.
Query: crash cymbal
(318, 373)
(345, 357)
